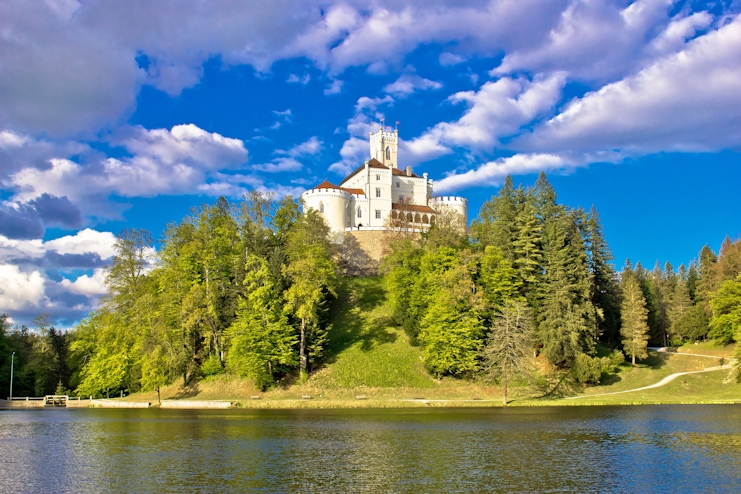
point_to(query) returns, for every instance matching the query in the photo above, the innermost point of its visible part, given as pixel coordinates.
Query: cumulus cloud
(689, 101)
(407, 84)
(498, 109)
(335, 87)
(162, 161)
(90, 286)
(287, 159)
(19, 289)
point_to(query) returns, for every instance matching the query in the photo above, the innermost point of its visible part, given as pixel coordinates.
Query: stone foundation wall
(361, 252)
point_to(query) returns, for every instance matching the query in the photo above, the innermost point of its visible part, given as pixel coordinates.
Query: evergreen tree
(634, 327)
(498, 279)
(508, 346)
(692, 324)
(497, 221)
(527, 246)
(725, 324)
(567, 318)
(679, 305)
(729, 262)
(605, 290)
(705, 283)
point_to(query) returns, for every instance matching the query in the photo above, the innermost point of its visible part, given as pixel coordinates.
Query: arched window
(388, 152)
(321, 207)
(425, 220)
(360, 213)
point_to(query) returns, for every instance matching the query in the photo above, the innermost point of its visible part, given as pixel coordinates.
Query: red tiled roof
(374, 163)
(413, 207)
(327, 185)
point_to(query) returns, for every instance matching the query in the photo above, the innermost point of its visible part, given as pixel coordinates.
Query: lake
(546, 449)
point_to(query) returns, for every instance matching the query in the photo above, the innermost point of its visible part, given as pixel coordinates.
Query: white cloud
(353, 153)
(283, 164)
(90, 286)
(310, 147)
(407, 84)
(19, 289)
(498, 109)
(294, 79)
(84, 241)
(689, 101)
(163, 161)
(447, 59)
(594, 40)
(493, 172)
(335, 87)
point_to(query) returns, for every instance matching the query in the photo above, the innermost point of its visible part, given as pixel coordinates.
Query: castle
(379, 193)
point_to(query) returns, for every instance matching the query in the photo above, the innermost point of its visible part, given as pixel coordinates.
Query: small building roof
(374, 163)
(413, 207)
(328, 185)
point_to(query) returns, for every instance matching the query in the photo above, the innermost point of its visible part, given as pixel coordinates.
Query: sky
(126, 114)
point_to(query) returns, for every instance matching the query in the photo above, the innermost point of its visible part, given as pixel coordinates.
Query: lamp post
(12, 364)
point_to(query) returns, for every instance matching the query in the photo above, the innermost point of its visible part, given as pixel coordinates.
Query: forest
(246, 288)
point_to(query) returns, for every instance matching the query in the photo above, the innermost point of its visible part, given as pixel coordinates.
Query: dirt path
(668, 378)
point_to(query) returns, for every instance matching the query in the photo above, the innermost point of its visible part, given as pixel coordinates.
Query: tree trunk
(634, 360)
(504, 393)
(158, 395)
(303, 360)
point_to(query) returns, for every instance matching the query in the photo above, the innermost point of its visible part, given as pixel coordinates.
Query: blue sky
(127, 114)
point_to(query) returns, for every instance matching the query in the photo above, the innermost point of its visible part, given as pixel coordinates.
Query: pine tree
(634, 328)
(508, 346)
(725, 324)
(496, 223)
(567, 318)
(706, 282)
(498, 279)
(605, 288)
(527, 246)
(679, 305)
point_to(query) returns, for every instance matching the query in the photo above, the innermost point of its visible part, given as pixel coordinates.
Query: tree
(498, 279)
(497, 222)
(604, 279)
(505, 354)
(154, 371)
(527, 246)
(692, 324)
(705, 282)
(566, 325)
(634, 314)
(451, 330)
(725, 324)
(312, 275)
(679, 304)
(262, 341)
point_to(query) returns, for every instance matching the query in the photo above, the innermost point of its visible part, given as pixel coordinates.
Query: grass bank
(369, 362)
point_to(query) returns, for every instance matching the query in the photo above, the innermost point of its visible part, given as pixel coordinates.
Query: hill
(368, 356)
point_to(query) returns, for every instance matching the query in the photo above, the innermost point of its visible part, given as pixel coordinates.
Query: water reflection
(618, 449)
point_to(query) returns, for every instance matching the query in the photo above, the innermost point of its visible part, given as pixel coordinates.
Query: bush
(586, 369)
(589, 370)
(211, 366)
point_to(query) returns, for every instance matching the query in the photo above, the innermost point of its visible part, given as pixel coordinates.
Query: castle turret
(384, 146)
(333, 203)
(452, 203)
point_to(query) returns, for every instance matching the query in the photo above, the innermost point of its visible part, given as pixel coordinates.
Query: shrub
(586, 369)
(211, 366)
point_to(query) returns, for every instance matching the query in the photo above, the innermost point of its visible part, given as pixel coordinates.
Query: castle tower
(384, 146)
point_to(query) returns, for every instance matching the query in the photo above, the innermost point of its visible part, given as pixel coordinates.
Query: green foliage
(586, 369)
(692, 324)
(725, 324)
(634, 329)
(505, 357)
(567, 319)
(211, 366)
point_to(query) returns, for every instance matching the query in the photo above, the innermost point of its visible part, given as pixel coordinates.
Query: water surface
(559, 449)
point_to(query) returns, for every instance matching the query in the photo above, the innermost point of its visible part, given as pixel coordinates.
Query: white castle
(379, 191)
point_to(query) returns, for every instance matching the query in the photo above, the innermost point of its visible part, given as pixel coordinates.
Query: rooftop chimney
(409, 171)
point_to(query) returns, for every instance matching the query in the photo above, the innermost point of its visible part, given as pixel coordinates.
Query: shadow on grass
(188, 391)
(354, 320)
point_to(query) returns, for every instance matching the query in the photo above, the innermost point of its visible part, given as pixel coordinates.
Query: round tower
(453, 203)
(333, 204)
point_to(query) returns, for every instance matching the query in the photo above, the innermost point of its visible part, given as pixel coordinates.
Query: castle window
(398, 184)
(378, 177)
(378, 214)
(378, 192)
(401, 199)
(360, 213)
(321, 207)
(388, 152)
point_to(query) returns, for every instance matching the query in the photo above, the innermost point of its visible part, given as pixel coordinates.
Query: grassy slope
(367, 355)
